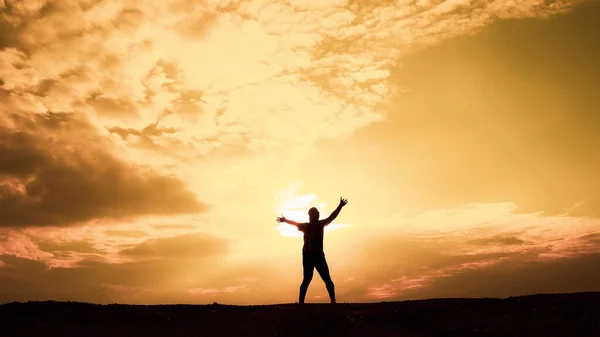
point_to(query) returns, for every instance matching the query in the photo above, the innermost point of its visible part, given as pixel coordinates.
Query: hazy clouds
(142, 144)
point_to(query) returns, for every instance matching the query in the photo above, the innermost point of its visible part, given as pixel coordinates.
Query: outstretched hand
(343, 202)
(281, 219)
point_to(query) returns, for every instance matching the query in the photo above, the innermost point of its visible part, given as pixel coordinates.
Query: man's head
(313, 214)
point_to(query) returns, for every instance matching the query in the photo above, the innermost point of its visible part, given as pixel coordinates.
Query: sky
(146, 148)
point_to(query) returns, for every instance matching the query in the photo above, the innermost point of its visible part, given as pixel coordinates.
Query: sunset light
(169, 151)
(294, 206)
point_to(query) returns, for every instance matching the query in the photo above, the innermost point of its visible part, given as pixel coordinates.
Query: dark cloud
(152, 130)
(398, 262)
(14, 16)
(172, 261)
(24, 279)
(512, 279)
(439, 267)
(19, 158)
(126, 233)
(498, 240)
(147, 139)
(593, 238)
(7, 35)
(148, 281)
(122, 107)
(20, 278)
(56, 170)
(190, 245)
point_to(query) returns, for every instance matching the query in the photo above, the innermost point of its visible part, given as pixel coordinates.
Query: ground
(538, 315)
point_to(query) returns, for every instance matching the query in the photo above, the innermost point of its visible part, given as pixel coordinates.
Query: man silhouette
(312, 251)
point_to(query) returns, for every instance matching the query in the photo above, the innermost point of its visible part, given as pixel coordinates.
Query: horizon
(325, 304)
(146, 149)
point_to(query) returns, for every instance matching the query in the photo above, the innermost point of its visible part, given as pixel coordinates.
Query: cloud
(183, 246)
(126, 233)
(283, 64)
(424, 248)
(26, 279)
(173, 226)
(155, 267)
(575, 274)
(75, 246)
(406, 263)
(55, 251)
(593, 237)
(186, 87)
(218, 93)
(21, 246)
(212, 292)
(56, 170)
(161, 279)
(497, 117)
(498, 239)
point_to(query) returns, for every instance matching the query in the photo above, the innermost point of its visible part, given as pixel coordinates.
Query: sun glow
(295, 206)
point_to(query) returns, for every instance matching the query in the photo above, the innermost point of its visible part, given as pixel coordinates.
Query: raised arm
(336, 212)
(291, 222)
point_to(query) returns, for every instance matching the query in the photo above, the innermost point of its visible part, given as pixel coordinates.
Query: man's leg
(307, 271)
(323, 270)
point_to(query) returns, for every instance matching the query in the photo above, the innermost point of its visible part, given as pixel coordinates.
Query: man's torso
(313, 237)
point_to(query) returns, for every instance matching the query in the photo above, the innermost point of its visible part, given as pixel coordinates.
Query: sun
(295, 206)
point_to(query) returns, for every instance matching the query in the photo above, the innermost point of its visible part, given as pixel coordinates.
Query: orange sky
(146, 148)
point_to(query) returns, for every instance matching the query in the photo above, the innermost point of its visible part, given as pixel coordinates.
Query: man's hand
(289, 222)
(335, 213)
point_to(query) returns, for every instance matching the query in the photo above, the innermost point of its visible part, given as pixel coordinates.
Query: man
(312, 251)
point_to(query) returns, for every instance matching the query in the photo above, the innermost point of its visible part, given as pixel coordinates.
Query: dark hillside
(539, 315)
